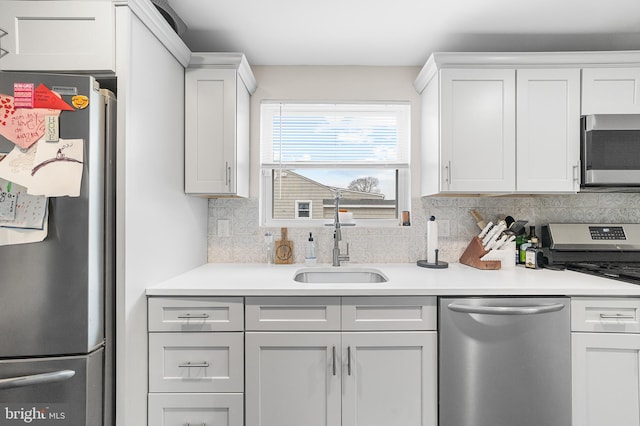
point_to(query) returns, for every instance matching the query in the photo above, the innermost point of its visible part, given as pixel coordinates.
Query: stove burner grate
(623, 271)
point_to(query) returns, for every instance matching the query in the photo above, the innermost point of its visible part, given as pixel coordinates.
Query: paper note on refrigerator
(16, 165)
(22, 126)
(57, 168)
(8, 201)
(29, 211)
(10, 236)
(50, 169)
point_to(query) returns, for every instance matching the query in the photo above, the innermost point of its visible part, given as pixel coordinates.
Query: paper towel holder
(436, 265)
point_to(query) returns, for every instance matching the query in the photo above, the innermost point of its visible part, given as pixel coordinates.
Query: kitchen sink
(334, 275)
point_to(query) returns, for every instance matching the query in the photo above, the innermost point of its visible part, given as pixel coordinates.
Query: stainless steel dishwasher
(505, 362)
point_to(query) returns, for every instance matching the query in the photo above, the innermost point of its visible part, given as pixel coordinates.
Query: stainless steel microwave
(610, 150)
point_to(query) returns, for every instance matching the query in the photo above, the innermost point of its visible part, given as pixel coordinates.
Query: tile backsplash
(406, 244)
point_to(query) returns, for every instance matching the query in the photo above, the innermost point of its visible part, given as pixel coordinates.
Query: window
(308, 151)
(303, 209)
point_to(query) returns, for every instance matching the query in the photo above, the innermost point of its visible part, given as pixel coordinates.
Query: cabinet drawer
(196, 314)
(196, 362)
(615, 315)
(168, 409)
(292, 313)
(389, 313)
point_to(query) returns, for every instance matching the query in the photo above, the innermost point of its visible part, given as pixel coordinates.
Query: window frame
(403, 180)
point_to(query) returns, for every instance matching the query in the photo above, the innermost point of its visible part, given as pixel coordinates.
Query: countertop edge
(239, 279)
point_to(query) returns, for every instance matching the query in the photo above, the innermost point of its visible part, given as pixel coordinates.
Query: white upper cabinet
(477, 113)
(57, 36)
(510, 122)
(611, 91)
(548, 130)
(217, 98)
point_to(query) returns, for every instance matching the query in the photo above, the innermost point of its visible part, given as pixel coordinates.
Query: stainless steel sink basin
(334, 275)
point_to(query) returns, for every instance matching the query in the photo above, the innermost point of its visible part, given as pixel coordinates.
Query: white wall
(160, 230)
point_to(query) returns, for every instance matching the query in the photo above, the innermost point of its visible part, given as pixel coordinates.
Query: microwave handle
(576, 175)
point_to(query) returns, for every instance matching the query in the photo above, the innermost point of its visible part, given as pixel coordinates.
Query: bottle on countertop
(310, 256)
(268, 240)
(520, 239)
(533, 238)
(532, 241)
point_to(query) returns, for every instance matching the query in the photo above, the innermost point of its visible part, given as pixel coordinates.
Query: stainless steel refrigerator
(57, 295)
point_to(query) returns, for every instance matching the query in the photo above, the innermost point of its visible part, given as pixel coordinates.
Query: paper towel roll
(432, 241)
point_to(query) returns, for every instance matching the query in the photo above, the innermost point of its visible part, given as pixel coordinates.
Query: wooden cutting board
(284, 249)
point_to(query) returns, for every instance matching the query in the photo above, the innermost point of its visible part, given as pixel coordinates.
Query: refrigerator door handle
(505, 310)
(36, 379)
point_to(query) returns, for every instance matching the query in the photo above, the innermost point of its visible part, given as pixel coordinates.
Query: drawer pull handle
(190, 316)
(194, 364)
(333, 357)
(616, 316)
(201, 424)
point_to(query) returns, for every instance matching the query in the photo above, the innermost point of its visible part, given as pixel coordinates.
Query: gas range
(627, 272)
(606, 250)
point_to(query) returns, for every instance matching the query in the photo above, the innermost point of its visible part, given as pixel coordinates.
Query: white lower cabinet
(293, 379)
(196, 361)
(606, 362)
(389, 378)
(606, 379)
(341, 376)
(195, 409)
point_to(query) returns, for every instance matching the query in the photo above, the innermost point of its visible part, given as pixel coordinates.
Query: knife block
(474, 252)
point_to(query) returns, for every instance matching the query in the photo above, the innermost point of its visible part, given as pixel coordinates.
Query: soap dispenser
(310, 257)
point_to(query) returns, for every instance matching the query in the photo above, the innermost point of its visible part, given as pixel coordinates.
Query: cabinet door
(478, 130)
(389, 379)
(57, 36)
(292, 379)
(548, 130)
(210, 131)
(610, 91)
(606, 379)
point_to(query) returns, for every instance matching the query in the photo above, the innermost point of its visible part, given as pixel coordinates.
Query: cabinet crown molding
(234, 60)
(587, 59)
(152, 19)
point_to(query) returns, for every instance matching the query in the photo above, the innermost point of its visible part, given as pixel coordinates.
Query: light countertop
(253, 279)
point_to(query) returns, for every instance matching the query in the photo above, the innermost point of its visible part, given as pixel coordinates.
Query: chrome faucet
(337, 233)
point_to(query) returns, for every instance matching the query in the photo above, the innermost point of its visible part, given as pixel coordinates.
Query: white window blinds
(297, 134)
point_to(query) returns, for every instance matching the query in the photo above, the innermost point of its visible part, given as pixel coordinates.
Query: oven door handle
(36, 379)
(506, 310)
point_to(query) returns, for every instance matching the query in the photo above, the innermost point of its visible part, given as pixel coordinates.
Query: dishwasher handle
(505, 310)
